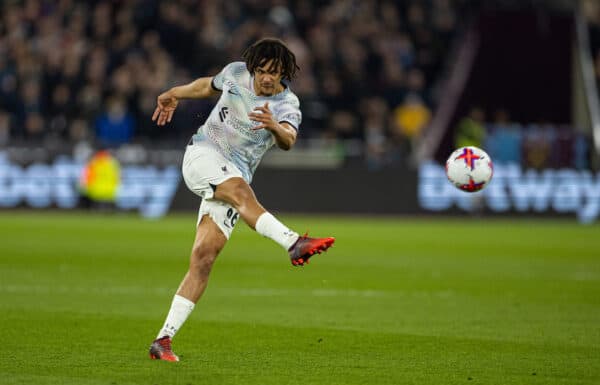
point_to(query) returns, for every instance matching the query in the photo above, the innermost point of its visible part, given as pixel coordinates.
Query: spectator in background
(8, 84)
(34, 126)
(30, 100)
(582, 152)
(504, 139)
(79, 130)
(115, 126)
(375, 113)
(411, 117)
(562, 148)
(4, 127)
(471, 129)
(537, 145)
(60, 111)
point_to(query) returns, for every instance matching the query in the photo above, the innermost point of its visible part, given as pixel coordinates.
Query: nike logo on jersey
(232, 92)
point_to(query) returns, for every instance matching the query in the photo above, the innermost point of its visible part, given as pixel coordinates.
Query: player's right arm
(166, 103)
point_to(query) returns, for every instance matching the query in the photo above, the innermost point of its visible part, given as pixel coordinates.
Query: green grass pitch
(396, 301)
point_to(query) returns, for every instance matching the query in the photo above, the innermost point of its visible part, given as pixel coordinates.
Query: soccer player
(256, 109)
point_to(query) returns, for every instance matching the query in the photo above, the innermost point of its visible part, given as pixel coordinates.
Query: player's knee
(203, 258)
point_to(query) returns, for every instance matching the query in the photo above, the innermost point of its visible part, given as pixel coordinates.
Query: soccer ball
(469, 168)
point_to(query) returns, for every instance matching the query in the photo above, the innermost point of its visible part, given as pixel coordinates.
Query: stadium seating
(66, 66)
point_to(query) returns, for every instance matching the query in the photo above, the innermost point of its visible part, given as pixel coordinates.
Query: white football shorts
(203, 169)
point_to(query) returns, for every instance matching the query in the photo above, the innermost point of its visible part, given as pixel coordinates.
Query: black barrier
(512, 191)
(346, 190)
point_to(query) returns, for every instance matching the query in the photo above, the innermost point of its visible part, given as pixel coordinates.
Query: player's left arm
(284, 133)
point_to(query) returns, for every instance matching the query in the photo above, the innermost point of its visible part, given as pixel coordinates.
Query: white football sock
(181, 308)
(268, 226)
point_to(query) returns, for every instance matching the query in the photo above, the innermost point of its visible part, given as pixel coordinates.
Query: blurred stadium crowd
(539, 145)
(534, 146)
(73, 72)
(90, 71)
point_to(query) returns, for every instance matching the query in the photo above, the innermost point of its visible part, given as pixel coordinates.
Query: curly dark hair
(270, 48)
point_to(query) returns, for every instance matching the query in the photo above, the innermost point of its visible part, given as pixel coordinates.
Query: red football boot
(161, 350)
(305, 247)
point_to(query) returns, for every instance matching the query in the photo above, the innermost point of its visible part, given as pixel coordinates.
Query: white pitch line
(222, 291)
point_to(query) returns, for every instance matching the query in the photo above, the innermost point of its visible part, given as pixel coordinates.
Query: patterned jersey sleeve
(290, 113)
(228, 70)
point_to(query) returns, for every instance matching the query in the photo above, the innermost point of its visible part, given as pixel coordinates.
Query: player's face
(267, 79)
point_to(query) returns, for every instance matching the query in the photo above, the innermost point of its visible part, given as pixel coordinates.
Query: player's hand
(166, 105)
(264, 116)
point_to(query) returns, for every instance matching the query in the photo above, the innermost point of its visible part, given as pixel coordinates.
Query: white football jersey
(228, 126)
